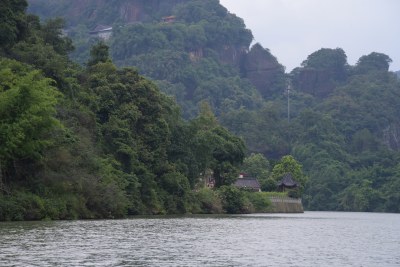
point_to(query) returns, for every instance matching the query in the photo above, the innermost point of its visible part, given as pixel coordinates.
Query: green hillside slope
(99, 141)
(343, 123)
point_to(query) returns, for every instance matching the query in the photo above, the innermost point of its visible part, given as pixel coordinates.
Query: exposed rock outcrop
(398, 74)
(391, 137)
(232, 55)
(264, 71)
(321, 72)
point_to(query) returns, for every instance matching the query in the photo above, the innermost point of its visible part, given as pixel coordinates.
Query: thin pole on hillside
(288, 101)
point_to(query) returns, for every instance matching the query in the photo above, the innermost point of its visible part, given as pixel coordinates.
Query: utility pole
(289, 87)
(1, 178)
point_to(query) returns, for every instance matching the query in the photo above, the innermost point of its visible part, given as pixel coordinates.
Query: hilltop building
(169, 19)
(102, 31)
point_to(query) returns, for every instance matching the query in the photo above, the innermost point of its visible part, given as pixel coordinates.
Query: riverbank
(225, 200)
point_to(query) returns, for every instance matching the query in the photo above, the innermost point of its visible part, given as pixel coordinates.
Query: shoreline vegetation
(226, 200)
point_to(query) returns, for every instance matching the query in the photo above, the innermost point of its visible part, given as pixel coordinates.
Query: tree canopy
(27, 111)
(12, 22)
(97, 141)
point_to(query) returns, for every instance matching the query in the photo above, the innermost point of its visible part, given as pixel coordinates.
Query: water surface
(309, 239)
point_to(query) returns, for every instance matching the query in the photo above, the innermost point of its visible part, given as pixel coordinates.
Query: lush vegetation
(99, 141)
(117, 133)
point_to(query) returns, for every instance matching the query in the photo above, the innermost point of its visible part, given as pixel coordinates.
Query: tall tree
(27, 112)
(12, 21)
(217, 148)
(256, 165)
(99, 53)
(373, 62)
(288, 164)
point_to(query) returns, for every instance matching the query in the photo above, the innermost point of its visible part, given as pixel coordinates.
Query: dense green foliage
(236, 201)
(184, 57)
(12, 21)
(27, 109)
(342, 132)
(349, 142)
(98, 142)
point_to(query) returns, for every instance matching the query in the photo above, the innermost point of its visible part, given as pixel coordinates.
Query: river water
(309, 239)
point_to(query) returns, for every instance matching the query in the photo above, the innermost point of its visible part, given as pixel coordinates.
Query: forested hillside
(343, 124)
(98, 141)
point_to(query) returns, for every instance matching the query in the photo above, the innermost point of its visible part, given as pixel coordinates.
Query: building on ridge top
(102, 31)
(168, 19)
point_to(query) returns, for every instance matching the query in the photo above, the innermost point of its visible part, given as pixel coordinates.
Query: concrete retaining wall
(286, 205)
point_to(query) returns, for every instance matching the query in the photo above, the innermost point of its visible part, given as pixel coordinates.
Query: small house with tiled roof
(248, 183)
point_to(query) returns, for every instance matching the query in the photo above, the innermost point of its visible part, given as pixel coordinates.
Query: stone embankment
(286, 205)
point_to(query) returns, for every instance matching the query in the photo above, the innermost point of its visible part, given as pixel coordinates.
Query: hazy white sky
(293, 29)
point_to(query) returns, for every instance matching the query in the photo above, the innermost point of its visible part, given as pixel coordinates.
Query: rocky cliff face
(391, 137)
(232, 55)
(264, 71)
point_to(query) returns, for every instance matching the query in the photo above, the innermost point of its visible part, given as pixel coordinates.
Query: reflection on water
(309, 239)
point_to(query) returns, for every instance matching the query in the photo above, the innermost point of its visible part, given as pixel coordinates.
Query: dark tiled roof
(251, 183)
(287, 181)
